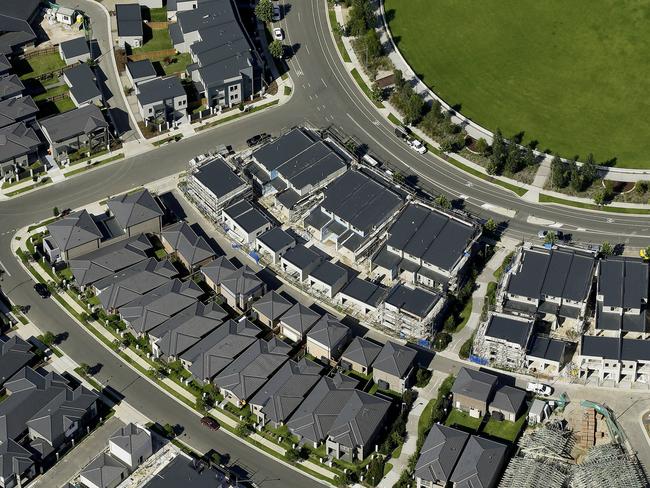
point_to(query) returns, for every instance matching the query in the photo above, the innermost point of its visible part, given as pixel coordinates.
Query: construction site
(580, 446)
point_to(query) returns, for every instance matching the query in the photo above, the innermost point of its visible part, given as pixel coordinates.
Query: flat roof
(276, 239)
(416, 301)
(510, 329)
(246, 215)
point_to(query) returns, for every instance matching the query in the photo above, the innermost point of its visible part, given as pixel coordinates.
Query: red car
(210, 423)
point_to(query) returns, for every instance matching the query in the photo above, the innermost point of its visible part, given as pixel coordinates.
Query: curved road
(324, 95)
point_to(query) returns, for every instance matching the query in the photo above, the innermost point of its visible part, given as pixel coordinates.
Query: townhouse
(411, 311)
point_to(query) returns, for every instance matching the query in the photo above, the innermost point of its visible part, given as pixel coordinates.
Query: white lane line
(323, 82)
(307, 49)
(581, 229)
(5, 268)
(556, 225)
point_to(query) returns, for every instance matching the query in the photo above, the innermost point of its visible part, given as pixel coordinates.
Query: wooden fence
(157, 25)
(40, 52)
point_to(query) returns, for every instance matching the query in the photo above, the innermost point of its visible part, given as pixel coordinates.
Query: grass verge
(543, 198)
(94, 165)
(508, 186)
(43, 182)
(237, 115)
(339, 42)
(364, 87)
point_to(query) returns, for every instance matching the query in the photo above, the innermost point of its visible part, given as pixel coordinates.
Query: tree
(276, 48)
(646, 254)
(641, 187)
(490, 226)
(588, 171)
(375, 470)
(559, 176)
(442, 201)
(482, 147)
(292, 455)
(447, 145)
(369, 47)
(602, 196)
(376, 94)
(575, 176)
(243, 430)
(441, 341)
(606, 249)
(450, 324)
(48, 339)
(422, 377)
(85, 369)
(466, 348)
(529, 158)
(513, 161)
(202, 404)
(551, 237)
(398, 177)
(170, 431)
(55, 211)
(413, 108)
(264, 10)
(361, 18)
(499, 152)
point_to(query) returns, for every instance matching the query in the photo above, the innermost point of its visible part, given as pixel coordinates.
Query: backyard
(500, 429)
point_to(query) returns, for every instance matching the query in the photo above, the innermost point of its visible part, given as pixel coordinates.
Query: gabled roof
(160, 89)
(300, 318)
(480, 464)
(329, 273)
(301, 257)
(272, 305)
(74, 230)
(218, 177)
(73, 123)
(182, 238)
(75, 47)
(395, 359)
(328, 331)
(414, 300)
(246, 216)
(141, 69)
(362, 351)
(359, 420)
(509, 328)
(276, 239)
(474, 384)
(83, 89)
(15, 353)
(134, 208)
(440, 453)
(130, 438)
(364, 291)
(129, 20)
(547, 348)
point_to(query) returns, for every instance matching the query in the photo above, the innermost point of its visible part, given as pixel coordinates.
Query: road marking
(556, 225)
(307, 49)
(581, 229)
(5, 268)
(500, 210)
(325, 84)
(315, 95)
(298, 16)
(463, 197)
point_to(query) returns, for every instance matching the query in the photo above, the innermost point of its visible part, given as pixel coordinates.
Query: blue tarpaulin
(254, 256)
(478, 360)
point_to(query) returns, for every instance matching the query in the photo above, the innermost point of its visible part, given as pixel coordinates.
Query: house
(361, 295)
(622, 297)
(104, 471)
(297, 321)
(19, 145)
(480, 464)
(299, 261)
(83, 87)
(503, 339)
(360, 355)
(74, 51)
(354, 211)
(555, 282)
(213, 185)
(427, 246)
(613, 360)
(5, 65)
(15, 110)
(15, 354)
(80, 128)
(270, 308)
(393, 367)
(411, 311)
(244, 221)
(509, 402)
(16, 19)
(129, 25)
(545, 355)
(191, 250)
(109, 259)
(473, 390)
(162, 99)
(17, 467)
(242, 378)
(285, 391)
(131, 445)
(219, 348)
(198, 16)
(328, 279)
(136, 213)
(72, 236)
(185, 329)
(160, 304)
(175, 6)
(327, 338)
(118, 289)
(239, 286)
(439, 456)
(539, 411)
(139, 72)
(275, 243)
(11, 87)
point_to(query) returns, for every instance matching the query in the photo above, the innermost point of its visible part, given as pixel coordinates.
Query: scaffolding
(554, 441)
(608, 466)
(534, 473)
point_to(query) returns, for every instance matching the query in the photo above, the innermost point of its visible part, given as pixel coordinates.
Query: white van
(371, 161)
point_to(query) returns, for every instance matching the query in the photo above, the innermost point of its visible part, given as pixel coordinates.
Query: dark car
(255, 140)
(42, 290)
(402, 132)
(210, 423)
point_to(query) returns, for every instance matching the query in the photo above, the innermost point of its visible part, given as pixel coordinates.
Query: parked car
(277, 15)
(402, 132)
(278, 34)
(41, 289)
(544, 232)
(417, 146)
(539, 389)
(256, 139)
(210, 423)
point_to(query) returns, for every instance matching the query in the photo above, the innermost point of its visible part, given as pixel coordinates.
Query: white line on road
(323, 82)
(5, 268)
(307, 49)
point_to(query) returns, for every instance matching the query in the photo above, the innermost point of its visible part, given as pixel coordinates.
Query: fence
(157, 25)
(40, 52)
(152, 55)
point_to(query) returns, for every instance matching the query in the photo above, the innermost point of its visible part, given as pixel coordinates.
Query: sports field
(572, 75)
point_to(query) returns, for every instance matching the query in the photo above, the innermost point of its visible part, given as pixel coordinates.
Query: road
(324, 95)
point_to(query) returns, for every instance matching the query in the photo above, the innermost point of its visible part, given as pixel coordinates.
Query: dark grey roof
(15, 19)
(480, 464)
(134, 208)
(361, 351)
(329, 273)
(511, 329)
(5, 65)
(184, 471)
(217, 350)
(208, 14)
(365, 291)
(360, 419)
(301, 257)
(17, 109)
(75, 47)
(286, 389)
(15, 354)
(141, 69)
(73, 123)
(193, 248)
(248, 373)
(246, 215)
(272, 305)
(509, 399)
(273, 155)
(416, 301)
(14, 459)
(562, 272)
(218, 269)
(239, 281)
(10, 85)
(160, 89)
(129, 20)
(431, 235)
(105, 471)
(287, 198)
(615, 348)
(547, 348)
(300, 318)
(17, 140)
(216, 73)
(319, 219)
(218, 177)
(131, 438)
(395, 359)
(212, 50)
(386, 259)
(328, 331)
(440, 453)
(360, 201)
(276, 239)
(474, 384)
(74, 230)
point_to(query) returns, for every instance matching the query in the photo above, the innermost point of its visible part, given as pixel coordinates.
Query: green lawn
(504, 429)
(460, 418)
(571, 75)
(38, 65)
(57, 90)
(543, 198)
(179, 65)
(364, 87)
(158, 41)
(158, 14)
